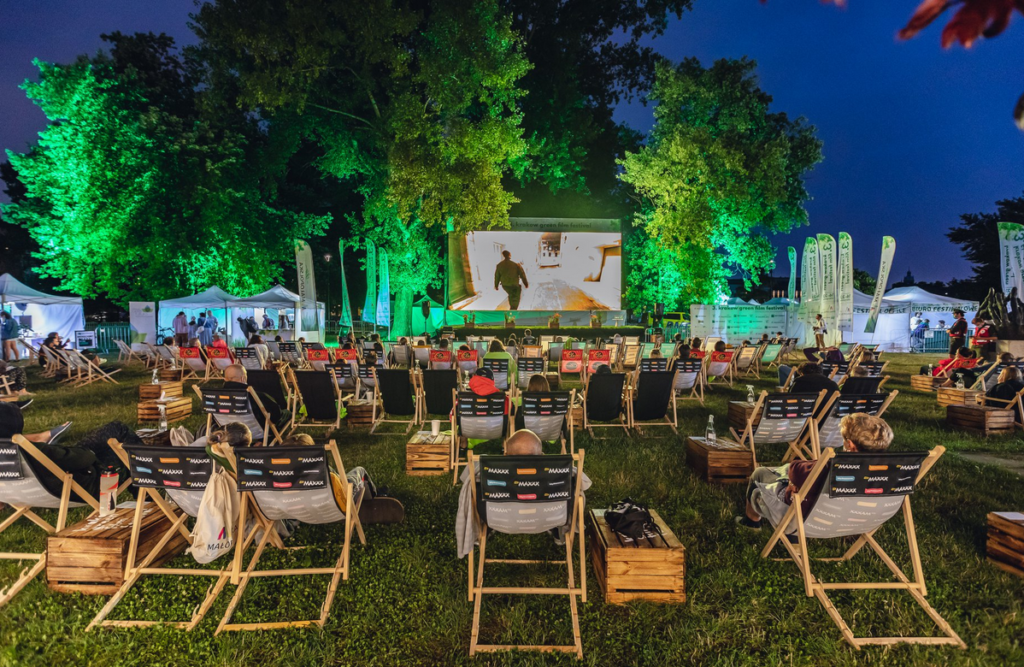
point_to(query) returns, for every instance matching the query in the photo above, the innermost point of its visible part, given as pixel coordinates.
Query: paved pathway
(1012, 462)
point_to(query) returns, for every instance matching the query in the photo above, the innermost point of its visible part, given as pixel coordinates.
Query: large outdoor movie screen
(540, 264)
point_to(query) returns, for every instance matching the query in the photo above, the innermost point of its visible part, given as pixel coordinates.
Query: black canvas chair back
(544, 413)
(653, 365)
(861, 385)
(269, 383)
(291, 352)
(847, 404)
(841, 369)
(991, 378)
(528, 367)
(654, 392)
(499, 367)
(313, 346)
(525, 495)
(366, 376)
(688, 373)
(481, 417)
(604, 396)
(396, 392)
(783, 417)
(182, 472)
(249, 357)
(319, 390)
(344, 372)
(231, 405)
(289, 483)
(874, 368)
(437, 391)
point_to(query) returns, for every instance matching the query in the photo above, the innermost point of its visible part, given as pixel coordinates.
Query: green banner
(791, 293)
(346, 305)
(827, 258)
(384, 295)
(844, 290)
(888, 250)
(1011, 255)
(370, 305)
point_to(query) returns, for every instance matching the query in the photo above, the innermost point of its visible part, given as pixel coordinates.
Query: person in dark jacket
(1008, 385)
(809, 380)
(235, 377)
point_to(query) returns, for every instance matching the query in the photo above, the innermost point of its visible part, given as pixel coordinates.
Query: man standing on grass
(180, 326)
(957, 332)
(508, 274)
(9, 335)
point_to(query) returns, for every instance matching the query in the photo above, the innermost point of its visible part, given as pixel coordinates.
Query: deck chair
(319, 393)
(273, 384)
(990, 378)
(783, 418)
(440, 360)
(690, 380)
(554, 499)
(659, 365)
(182, 473)
(23, 491)
(249, 357)
(862, 492)
(721, 366)
(220, 359)
(316, 359)
(527, 368)
(604, 400)
(395, 396)
(224, 406)
(876, 368)
(346, 375)
(421, 354)
(88, 370)
(571, 363)
(435, 393)
(771, 357)
(532, 352)
(401, 355)
(282, 483)
(787, 384)
(834, 370)
(292, 353)
(194, 364)
(841, 405)
(847, 349)
(125, 354)
(555, 353)
(549, 415)
(468, 361)
(746, 360)
(167, 357)
(275, 350)
(709, 343)
(366, 380)
(499, 367)
(477, 417)
(650, 397)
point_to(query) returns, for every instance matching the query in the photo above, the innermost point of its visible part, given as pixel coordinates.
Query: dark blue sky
(914, 136)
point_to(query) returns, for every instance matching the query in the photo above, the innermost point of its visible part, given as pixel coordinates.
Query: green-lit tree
(720, 172)
(134, 192)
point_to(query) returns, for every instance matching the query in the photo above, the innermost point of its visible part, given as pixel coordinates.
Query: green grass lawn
(406, 604)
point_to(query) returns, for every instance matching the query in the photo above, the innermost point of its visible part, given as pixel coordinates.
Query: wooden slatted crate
(177, 409)
(577, 418)
(984, 420)
(360, 413)
(171, 374)
(727, 461)
(923, 382)
(739, 413)
(90, 556)
(652, 568)
(953, 396)
(150, 392)
(1005, 546)
(427, 454)
(553, 380)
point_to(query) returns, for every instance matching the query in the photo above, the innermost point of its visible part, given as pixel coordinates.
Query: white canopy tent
(892, 330)
(280, 298)
(934, 307)
(212, 299)
(39, 313)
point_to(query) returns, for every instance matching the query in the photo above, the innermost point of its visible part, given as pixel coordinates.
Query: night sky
(913, 135)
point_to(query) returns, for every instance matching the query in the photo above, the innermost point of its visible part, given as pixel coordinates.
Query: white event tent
(892, 330)
(279, 298)
(41, 313)
(934, 307)
(213, 299)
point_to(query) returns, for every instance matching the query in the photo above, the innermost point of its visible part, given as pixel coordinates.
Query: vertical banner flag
(845, 286)
(384, 295)
(888, 250)
(810, 281)
(791, 293)
(827, 254)
(370, 305)
(307, 317)
(1011, 253)
(346, 305)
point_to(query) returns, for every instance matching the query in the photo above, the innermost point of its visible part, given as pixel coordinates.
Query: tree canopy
(978, 238)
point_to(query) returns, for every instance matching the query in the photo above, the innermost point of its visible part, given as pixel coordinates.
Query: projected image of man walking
(508, 274)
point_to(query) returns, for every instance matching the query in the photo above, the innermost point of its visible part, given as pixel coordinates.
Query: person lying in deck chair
(235, 377)
(1008, 385)
(861, 433)
(521, 443)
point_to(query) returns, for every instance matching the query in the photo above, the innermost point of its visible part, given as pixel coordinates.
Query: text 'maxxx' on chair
(604, 400)
(527, 367)
(477, 417)
(783, 418)
(395, 396)
(652, 400)
(249, 357)
(840, 405)
(318, 391)
(224, 406)
(281, 483)
(836, 371)
(292, 353)
(690, 380)
(861, 492)
(499, 367)
(22, 490)
(527, 495)
(549, 415)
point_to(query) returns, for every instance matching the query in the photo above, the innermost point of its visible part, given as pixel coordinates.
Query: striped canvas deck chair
(88, 371)
(477, 417)
(746, 360)
(840, 405)
(249, 357)
(224, 406)
(499, 367)
(275, 350)
(528, 495)
(782, 418)
(22, 490)
(220, 358)
(527, 368)
(401, 355)
(709, 343)
(689, 380)
(293, 354)
(282, 483)
(194, 364)
(877, 368)
(720, 368)
(630, 355)
(319, 394)
(440, 360)
(861, 492)
(395, 396)
(125, 354)
(532, 352)
(168, 356)
(652, 400)
(549, 415)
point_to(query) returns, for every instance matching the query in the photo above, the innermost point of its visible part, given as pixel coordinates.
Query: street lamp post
(327, 258)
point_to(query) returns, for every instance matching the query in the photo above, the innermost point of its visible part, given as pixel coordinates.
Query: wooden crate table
(985, 420)
(739, 413)
(90, 557)
(171, 374)
(360, 412)
(176, 409)
(427, 454)
(953, 396)
(924, 382)
(652, 568)
(1005, 546)
(727, 461)
(151, 392)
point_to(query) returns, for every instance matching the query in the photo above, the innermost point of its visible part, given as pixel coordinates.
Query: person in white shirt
(180, 326)
(820, 329)
(915, 321)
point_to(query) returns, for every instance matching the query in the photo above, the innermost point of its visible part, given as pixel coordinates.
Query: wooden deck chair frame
(1015, 403)
(774, 363)
(624, 414)
(754, 368)
(135, 570)
(671, 422)
(799, 447)
(271, 434)
(380, 415)
(697, 390)
(729, 377)
(340, 571)
(785, 386)
(813, 587)
(477, 589)
(34, 353)
(68, 485)
(90, 371)
(813, 445)
(456, 460)
(296, 399)
(53, 364)
(189, 372)
(581, 360)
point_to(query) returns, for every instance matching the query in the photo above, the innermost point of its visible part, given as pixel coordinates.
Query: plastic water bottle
(163, 418)
(750, 394)
(156, 376)
(710, 437)
(931, 369)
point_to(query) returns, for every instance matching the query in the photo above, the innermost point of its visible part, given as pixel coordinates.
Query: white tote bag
(213, 535)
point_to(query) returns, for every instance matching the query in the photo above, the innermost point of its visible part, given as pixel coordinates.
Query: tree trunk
(403, 313)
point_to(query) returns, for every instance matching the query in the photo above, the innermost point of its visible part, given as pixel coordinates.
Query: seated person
(538, 383)
(16, 378)
(521, 443)
(861, 433)
(236, 377)
(256, 341)
(218, 341)
(497, 351)
(947, 366)
(1006, 358)
(809, 380)
(831, 354)
(720, 346)
(696, 344)
(682, 354)
(195, 342)
(867, 355)
(1008, 385)
(53, 342)
(858, 382)
(168, 341)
